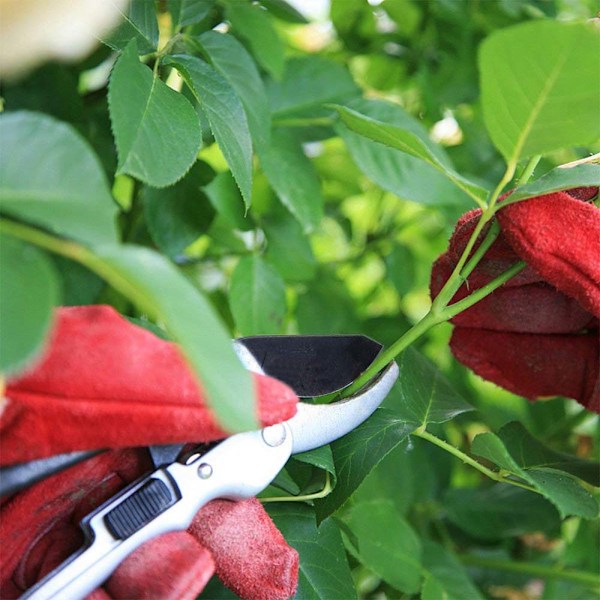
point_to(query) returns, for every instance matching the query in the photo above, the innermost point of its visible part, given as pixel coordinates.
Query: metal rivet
(275, 435)
(205, 471)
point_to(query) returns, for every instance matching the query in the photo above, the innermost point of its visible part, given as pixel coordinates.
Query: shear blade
(315, 425)
(312, 365)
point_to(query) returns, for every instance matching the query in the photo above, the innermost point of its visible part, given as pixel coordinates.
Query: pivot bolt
(274, 435)
(205, 471)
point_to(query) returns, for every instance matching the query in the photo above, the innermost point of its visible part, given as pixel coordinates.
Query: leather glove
(537, 335)
(104, 382)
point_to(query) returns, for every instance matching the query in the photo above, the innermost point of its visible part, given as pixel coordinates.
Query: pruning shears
(235, 468)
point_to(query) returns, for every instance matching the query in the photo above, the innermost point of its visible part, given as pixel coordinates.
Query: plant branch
(533, 569)
(303, 122)
(453, 309)
(465, 458)
(387, 355)
(304, 498)
(80, 254)
(529, 169)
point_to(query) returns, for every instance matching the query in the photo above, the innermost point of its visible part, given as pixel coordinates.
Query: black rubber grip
(139, 509)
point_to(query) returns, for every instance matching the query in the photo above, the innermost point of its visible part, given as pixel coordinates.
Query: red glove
(538, 334)
(104, 382)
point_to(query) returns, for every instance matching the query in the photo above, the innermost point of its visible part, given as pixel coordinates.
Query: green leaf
(232, 60)
(324, 571)
(322, 458)
(158, 289)
(500, 511)
(529, 452)
(400, 264)
(307, 85)
(386, 543)
(517, 452)
(424, 468)
(540, 86)
(28, 294)
(294, 179)
(408, 142)
(489, 445)
(225, 115)
(156, 129)
(564, 491)
(556, 180)
(426, 396)
(408, 177)
(284, 11)
(448, 579)
(140, 24)
(225, 196)
(357, 453)
(253, 23)
(257, 297)
(178, 215)
(50, 176)
(188, 12)
(288, 249)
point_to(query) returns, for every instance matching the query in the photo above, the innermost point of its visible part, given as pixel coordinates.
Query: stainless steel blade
(312, 365)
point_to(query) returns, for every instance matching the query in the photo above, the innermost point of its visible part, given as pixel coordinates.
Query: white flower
(34, 31)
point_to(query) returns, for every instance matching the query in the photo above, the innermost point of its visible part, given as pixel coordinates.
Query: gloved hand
(537, 335)
(104, 382)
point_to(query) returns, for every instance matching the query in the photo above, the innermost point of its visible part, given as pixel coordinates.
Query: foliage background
(289, 222)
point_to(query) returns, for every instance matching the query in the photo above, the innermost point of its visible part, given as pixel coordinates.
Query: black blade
(312, 365)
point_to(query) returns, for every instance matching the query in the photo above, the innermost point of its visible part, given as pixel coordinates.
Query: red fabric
(537, 335)
(559, 236)
(39, 529)
(251, 555)
(102, 383)
(105, 383)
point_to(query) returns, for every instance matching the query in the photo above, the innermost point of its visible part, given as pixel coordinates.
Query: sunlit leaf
(408, 177)
(294, 179)
(558, 179)
(254, 24)
(540, 87)
(138, 23)
(231, 59)
(257, 297)
(156, 129)
(408, 142)
(225, 114)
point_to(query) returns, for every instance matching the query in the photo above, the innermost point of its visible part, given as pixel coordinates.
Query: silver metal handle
(239, 467)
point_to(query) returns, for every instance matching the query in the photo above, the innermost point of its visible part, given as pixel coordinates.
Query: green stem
(529, 169)
(303, 122)
(60, 246)
(80, 254)
(535, 570)
(426, 323)
(422, 433)
(455, 280)
(453, 309)
(490, 238)
(304, 498)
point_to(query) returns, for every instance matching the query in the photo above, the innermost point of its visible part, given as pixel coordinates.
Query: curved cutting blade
(312, 365)
(315, 425)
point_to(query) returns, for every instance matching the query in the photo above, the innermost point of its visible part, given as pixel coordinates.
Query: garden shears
(238, 467)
